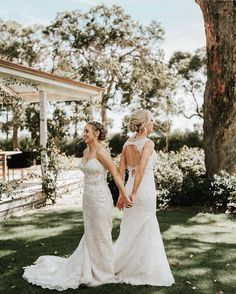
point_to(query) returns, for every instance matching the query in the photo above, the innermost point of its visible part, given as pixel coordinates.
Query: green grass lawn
(200, 248)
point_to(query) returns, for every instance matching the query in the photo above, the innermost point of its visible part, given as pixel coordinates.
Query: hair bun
(138, 120)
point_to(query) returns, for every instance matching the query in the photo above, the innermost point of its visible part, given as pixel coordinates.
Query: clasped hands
(125, 202)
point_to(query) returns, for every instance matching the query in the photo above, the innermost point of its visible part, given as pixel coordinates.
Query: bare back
(132, 155)
(132, 151)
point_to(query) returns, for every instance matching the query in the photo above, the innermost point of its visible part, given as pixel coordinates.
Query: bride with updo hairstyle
(92, 262)
(140, 257)
(139, 119)
(98, 127)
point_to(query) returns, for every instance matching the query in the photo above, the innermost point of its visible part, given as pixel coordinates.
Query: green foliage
(32, 123)
(223, 187)
(180, 178)
(181, 181)
(81, 112)
(5, 144)
(20, 44)
(200, 249)
(116, 144)
(106, 47)
(74, 147)
(14, 103)
(190, 72)
(7, 188)
(179, 139)
(50, 178)
(58, 126)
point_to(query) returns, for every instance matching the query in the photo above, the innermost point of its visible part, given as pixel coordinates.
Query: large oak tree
(219, 107)
(106, 47)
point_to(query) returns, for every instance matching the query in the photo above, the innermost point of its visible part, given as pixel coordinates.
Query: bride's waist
(147, 172)
(94, 181)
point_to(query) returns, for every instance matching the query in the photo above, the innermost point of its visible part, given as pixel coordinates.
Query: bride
(140, 256)
(92, 263)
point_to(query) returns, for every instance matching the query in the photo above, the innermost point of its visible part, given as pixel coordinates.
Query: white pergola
(50, 88)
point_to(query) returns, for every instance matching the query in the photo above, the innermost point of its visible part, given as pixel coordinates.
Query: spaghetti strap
(96, 150)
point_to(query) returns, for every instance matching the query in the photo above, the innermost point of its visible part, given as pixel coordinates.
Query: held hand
(128, 203)
(120, 203)
(132, 196)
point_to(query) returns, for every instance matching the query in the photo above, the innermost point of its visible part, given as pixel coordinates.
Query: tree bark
(104, 109)
(15, 142)
(219, 108)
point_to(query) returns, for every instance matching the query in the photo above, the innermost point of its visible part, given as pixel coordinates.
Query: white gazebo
(50, 88)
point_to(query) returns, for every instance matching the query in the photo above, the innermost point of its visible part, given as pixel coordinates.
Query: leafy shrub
(6, 144)
(181, 178)
(116, 144)
(8, 188)
(223, 188)
(74, 147)
(179, 139)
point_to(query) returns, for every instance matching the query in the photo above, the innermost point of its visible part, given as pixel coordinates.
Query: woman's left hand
(120, 203)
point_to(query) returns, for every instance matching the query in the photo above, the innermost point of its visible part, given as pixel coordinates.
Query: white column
(43, 128)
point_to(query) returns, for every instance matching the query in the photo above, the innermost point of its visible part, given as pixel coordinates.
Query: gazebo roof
(58, 88)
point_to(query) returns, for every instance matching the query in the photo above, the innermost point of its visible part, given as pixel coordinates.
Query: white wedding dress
(140, 256)
(92, 263)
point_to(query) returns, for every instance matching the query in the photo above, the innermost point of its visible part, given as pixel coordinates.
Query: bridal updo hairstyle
(139, 119)
(98, 127)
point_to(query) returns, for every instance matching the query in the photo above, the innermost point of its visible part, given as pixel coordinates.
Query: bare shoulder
(102, 152)
(149, 144)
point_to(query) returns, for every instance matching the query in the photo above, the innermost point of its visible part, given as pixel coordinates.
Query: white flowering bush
(168, 178)
(223, 188)
(181, 178)
(181, 181)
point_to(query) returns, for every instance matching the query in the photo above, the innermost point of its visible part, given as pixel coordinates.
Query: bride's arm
(122, 165)
(139, 171)
(104, 157)
(121, 169)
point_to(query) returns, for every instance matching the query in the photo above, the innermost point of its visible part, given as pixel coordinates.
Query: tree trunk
(104, 109)
(167, 138)
(15, 142)
(7, 123)
(76, 120)
(219, 106)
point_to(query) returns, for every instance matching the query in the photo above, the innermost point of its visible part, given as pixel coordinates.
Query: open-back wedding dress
(140, 256)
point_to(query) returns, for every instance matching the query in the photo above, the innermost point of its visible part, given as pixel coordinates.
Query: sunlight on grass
(195, 272)
(208, 218)
(227, 278)
(204, 233)
(199, 247)
(34, 233)
(6, 252)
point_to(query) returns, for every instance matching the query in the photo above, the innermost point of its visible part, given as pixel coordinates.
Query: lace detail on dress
(140, 257)
(138, 143)
(94, 172)
(92, 263)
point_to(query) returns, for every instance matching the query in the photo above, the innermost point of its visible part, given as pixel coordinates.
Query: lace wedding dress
(92, 263)
(140, 256)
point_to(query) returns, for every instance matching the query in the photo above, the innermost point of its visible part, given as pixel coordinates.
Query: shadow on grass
(208, 266)
(165, 218)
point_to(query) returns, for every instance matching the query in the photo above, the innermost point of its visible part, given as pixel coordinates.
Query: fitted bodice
(94, 171)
